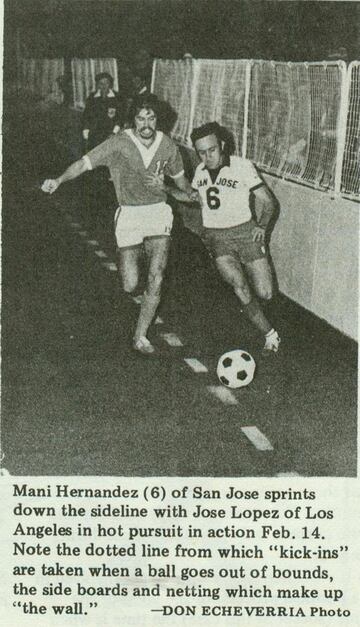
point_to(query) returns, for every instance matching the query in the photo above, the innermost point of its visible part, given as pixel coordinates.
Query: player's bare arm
(183, 184)
(72, 172)
(264, 209)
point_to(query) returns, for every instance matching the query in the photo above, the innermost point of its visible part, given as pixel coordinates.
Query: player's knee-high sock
(149, 305)
(269, 305)
(254, 312)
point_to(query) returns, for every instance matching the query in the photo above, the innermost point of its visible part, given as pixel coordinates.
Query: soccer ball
(236, 369)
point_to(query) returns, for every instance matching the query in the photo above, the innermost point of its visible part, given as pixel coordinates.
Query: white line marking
(159, 320)
(92, 242)
(223, 394)
(110, 265)
(195, 364)
(100, 253)
(171, 339)
(287, 474)
(257, 438)
(83, 233)
(137, 299)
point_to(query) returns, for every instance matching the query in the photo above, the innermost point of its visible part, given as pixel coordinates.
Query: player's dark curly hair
(144, 101)
(213, 128)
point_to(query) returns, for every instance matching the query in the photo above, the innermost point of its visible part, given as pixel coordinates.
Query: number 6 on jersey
(212, 198)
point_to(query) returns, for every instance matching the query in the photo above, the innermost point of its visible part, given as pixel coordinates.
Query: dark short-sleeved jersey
(129, 161)
(225, 203)
(102, 115)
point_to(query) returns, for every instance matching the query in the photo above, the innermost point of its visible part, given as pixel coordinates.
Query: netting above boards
(172, 82)
(201, 91)
(289, 118)
(42, 78)
(83, 77)
(350, 175)
(293, 120)
(300, 121)
(220, 96)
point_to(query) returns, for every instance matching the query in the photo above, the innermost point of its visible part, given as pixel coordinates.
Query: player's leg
(157, 252)
(233, 273)
(260, 275)
(129, 262)
(129, 244)
(254, 258)
(157, 224)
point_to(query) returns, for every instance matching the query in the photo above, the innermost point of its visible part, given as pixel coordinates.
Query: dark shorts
(235, 241)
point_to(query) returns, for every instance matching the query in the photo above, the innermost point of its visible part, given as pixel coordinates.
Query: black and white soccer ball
(236, 368)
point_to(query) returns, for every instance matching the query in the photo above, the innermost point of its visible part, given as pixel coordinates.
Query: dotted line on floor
(223, 394)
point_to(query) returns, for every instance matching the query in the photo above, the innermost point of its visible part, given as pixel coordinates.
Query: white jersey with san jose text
(225, 203)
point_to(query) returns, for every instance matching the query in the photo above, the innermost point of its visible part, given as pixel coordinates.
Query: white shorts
(134, 224)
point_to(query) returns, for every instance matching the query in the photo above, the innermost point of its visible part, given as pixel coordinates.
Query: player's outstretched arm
(72, 172)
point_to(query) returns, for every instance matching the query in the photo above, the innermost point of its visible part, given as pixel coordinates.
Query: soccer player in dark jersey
(235, 237)
(143, 220)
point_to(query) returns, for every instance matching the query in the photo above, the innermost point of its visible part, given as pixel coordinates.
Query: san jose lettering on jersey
(220, 181)
(225, 202)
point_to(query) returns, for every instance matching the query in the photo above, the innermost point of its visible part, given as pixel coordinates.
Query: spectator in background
(103, 116)
(166, 115)
(140, 68)
(56, 94)
(138, 87)
(141, 64)
(104, 112)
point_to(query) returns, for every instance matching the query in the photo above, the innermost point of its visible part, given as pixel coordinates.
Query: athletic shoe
(143, 346)
(272, 342)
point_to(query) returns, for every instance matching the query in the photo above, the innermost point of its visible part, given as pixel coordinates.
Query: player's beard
(147, 133)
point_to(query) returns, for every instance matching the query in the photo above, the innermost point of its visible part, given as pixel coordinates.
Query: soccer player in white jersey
(234, 235)
(143, 219)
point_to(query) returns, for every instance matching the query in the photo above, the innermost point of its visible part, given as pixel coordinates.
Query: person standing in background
(103, 116)
(104, 112)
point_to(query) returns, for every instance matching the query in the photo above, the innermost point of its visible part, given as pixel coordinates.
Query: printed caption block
(163, 551)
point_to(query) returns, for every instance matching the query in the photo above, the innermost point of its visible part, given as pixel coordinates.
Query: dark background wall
(280, 30)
